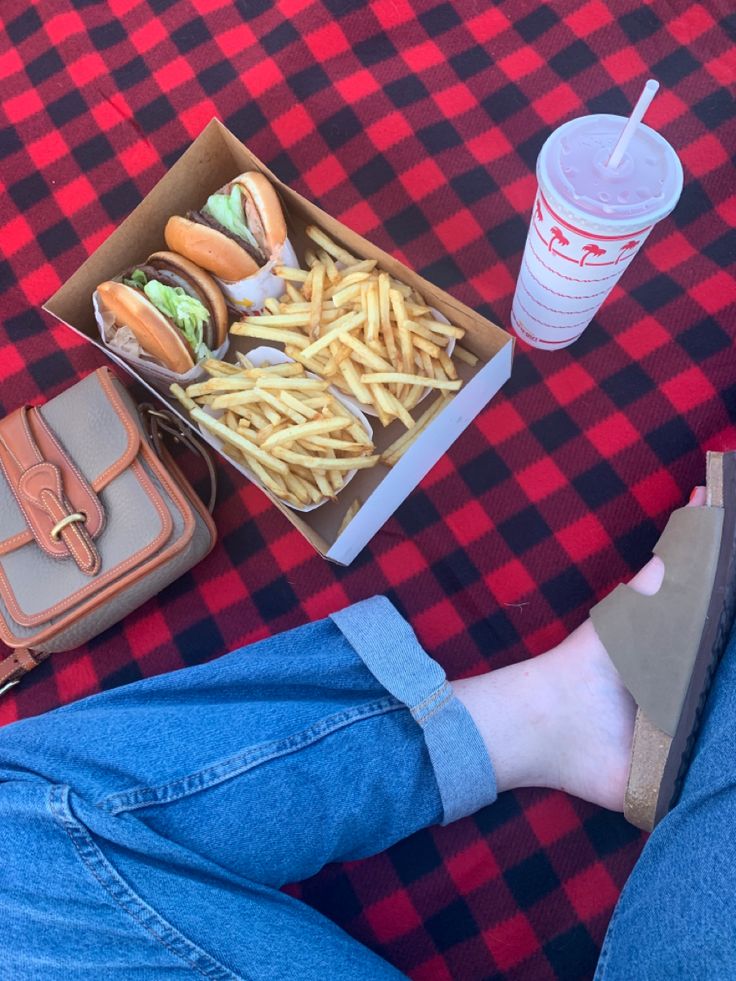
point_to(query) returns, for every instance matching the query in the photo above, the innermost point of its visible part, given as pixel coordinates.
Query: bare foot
(564, 719)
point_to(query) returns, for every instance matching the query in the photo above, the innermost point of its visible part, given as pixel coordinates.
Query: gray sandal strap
(653, 640)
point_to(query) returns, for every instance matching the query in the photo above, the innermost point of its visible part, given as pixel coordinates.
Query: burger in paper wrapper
(238, 235)
(165, 314)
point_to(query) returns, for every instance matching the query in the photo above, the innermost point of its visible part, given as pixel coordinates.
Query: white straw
(645, 100)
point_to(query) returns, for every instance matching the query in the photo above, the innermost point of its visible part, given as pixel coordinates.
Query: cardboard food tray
(213, 159)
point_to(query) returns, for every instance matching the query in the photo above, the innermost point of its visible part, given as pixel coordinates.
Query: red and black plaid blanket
(418, 124)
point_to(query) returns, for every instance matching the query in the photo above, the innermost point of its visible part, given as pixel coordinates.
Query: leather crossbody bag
(93, 522)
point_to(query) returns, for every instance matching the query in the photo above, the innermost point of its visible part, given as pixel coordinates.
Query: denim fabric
(676, 917)
(145, 832)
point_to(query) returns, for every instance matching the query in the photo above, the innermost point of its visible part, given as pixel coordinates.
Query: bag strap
(157, 422)
(19, 663)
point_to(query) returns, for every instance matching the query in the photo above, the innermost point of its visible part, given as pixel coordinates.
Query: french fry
(327, 442)
(302, 384)
(290, 274)
(178, 392)
(345, 283)
(315, 312)
(397, 449)
(323, 484)
(384, 311)
(353, 381)
(245, 446)
(349, 515)
(404, 378)
(342, 326)
(265, 333)
(332, 248)
(292, 292)
(331, 270)
(364, 265)
(232, 400)
(372, 313)
(233, 383)
(311, 463)
(283, 426)
(298, 488)
(283, 369)
(219, 368)
(448, 367)
(380, 400)
(425, 346)
(441, 328)
(273, 482)
(364, 354)
(399, 410)
(405, 338)
(318, 427)
(462, 354)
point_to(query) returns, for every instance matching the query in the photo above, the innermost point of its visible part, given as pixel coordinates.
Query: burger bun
(156, 336)
(209, 249)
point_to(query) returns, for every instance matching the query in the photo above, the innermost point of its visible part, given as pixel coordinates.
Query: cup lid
(644, 187)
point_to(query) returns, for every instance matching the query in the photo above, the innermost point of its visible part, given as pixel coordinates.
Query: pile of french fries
(284, 426)
(371, 336)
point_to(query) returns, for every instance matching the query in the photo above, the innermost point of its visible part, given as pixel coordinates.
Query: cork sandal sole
(667, 647)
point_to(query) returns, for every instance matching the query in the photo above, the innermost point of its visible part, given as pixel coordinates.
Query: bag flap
(90, 428)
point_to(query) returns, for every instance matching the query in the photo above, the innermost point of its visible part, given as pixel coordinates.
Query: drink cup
(589, 221)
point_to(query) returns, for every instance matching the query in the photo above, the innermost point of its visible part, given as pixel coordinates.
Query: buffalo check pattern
(418, 124)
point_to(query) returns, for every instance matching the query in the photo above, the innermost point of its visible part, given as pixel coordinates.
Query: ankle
(514, 709)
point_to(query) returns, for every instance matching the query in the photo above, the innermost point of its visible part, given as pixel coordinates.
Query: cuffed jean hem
(390, 650)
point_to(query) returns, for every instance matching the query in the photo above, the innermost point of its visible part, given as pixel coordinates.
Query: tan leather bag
(92, 522)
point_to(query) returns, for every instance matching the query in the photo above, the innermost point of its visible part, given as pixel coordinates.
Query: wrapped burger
(239, 235)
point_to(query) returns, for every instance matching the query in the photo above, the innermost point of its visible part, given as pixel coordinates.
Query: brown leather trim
(108, 382)
(74, 482)
(101, 581)
(179, 499)
(18, 664)
(10, 544)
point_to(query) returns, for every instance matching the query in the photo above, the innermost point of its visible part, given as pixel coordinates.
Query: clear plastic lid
(644, 187)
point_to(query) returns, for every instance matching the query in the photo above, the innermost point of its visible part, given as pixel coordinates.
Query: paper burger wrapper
(121, 342)
(250, 294)
(271, 355)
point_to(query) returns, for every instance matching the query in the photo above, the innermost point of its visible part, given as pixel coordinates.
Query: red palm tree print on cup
(591, 250)
(625, 250)
(556, 236)
(538, 211)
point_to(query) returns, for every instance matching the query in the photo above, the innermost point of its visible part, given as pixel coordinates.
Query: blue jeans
(145, 832)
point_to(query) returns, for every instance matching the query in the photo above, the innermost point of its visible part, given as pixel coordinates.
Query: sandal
(666, 647)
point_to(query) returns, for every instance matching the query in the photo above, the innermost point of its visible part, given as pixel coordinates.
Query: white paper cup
(131, 352)
(271, 355)
(250, 294)
(572, 258)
